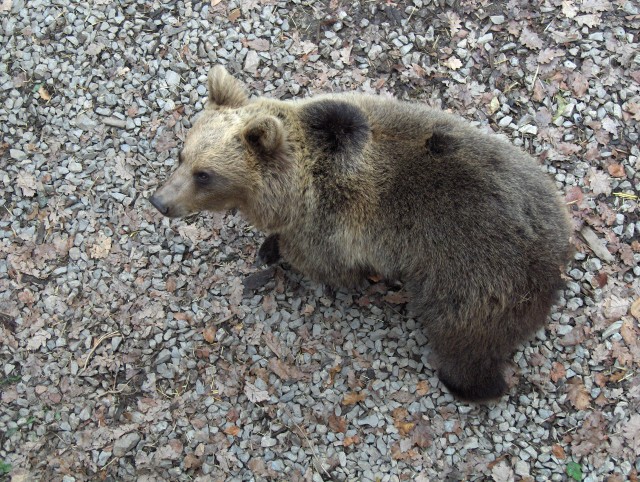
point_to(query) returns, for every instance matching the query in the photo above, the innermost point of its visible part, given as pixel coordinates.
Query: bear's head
(234, 150)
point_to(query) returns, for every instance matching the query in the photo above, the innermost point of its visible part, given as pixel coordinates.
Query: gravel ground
(135, 347)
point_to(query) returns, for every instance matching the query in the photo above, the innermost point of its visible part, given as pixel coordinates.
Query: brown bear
(349, 185)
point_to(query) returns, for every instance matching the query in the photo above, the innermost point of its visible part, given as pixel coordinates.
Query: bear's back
(430, 185)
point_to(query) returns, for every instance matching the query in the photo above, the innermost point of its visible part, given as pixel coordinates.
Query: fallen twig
(96, 345)
(596, 245)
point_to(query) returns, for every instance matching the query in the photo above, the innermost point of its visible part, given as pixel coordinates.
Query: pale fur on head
(240, 145)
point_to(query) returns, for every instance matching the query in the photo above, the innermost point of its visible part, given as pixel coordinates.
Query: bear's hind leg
(473, 351)
(471, 375)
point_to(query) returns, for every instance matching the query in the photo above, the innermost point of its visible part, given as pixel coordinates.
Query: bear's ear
(224, 90)
(265, 136)
(442, 140)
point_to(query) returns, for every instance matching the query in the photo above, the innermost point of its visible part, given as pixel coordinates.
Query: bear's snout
(159, 205)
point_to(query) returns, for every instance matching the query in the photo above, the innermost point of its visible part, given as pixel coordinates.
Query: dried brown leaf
(593, 152)
(171, 284)
(192, 462)
(600, 379)
(121, 169)
(348, 441)
(166, 141)
(548, 54)
(399, 413)
(578, 395)
(631, 432)
(574, 196)
(557, 372)
(193, 233)
(602, 136)
(419, 70)
(286, 371)
(601, 400)
(37, 340)
(622, 354)
(27, 183)
(590, 20)
(26, 296)
(352, 398)
(626, 255)
(537, 359)
(590, 436)
(422, 388)
(274, 344)
(232, 430)
(635, 309)
(337, 424)
(44, 94)
(601, 279)
(171, 451)
(619, 375)
(234, 15)
(501, 472)
(404, 428)
(615, 307)
(100, 249)
(454, 22)
(307, 310)
(209, 334)
(599, 182)
(633, 107)
(345, 54)
(530, 39)
(254, 394)
(578, 83)
(402, 450)
(236, 289)
(569, 9)
(422, 434)
(574, 337)
(558, 452)
(538, 91)
(258, 467)
(494, 106)
(592, 6)
(616, 170)
(453, 63)
(543, 117)
(397, 297)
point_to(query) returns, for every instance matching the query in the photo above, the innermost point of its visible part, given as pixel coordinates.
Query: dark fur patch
(441, 142)
(337, 126)
(487, 385)
(269, 252)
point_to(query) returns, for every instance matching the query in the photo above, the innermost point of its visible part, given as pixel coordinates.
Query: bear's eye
(202, 178)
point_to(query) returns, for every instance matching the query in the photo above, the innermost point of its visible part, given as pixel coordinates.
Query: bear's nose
(159, 205)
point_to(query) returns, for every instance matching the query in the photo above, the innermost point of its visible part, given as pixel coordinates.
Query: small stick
(535, 77)
(97, 344)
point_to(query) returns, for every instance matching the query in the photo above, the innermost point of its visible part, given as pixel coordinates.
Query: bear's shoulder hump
(336, 125)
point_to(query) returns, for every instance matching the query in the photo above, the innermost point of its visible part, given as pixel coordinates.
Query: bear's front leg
(269, 252)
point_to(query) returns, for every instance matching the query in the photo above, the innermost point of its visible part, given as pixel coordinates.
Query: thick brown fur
(349, 185)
